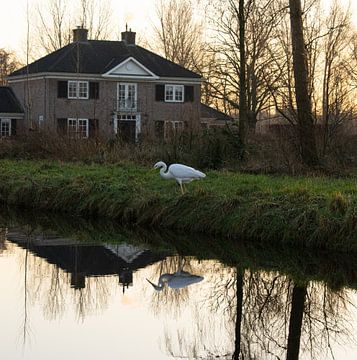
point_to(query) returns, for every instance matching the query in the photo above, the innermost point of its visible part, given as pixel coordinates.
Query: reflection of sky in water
(99, 321)
(96, 322)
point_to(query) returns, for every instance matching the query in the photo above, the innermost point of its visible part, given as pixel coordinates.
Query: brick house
(106, 88)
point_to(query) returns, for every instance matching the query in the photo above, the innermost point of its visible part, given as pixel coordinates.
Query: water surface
(73, 291)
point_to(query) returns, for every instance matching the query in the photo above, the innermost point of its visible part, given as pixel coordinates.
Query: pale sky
(139, 14)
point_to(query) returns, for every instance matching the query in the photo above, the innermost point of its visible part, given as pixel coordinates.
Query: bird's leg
(182, 190)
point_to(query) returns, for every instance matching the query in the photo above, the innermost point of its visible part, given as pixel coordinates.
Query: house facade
(101, 88)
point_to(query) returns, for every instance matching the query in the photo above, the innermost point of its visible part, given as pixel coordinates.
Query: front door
(126, 130)
(128, 127)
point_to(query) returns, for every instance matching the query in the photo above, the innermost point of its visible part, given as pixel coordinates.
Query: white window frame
(75, 91)
(76, 133)
(8, 122)
(175, 89)
(125, 103)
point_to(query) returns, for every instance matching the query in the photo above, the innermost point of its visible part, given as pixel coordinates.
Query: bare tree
(95, 15)
(243, 108)
(304, 108)
(243, 30)
(57, 18)
(179, 35)
(334, 84)
(53, 26)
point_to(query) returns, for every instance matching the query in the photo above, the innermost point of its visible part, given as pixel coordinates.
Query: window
(172, 128)
(127, 96)
(5, 127)
(77, 128)
(174, 93)
(78, 90)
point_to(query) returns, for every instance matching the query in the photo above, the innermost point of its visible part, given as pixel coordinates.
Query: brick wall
(44, 102)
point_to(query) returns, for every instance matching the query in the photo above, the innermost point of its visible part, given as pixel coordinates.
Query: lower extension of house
(11, 112)
(106, 88)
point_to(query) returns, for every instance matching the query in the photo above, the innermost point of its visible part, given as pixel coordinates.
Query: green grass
(303, 211)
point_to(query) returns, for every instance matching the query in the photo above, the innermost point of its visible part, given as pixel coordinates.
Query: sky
(139, 14)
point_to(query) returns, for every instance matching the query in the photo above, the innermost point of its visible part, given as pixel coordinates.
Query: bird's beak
(156, 287)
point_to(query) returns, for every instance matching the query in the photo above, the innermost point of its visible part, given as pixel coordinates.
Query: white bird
(181, 173)
(177, 280)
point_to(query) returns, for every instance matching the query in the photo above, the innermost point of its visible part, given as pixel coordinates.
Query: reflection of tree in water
(277, 317)
(170, 300)
(270, 311)
(51, 286)
(189, 330)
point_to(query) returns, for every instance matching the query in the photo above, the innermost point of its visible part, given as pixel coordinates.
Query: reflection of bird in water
(178, 280)
(181, 173)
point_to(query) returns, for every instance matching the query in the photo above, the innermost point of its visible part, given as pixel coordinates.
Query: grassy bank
(308, 266)
(319, 212)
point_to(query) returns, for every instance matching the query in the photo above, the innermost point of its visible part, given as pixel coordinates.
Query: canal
(71, 289)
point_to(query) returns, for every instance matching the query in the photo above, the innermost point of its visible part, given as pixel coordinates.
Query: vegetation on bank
(307, 266)
(305, 211)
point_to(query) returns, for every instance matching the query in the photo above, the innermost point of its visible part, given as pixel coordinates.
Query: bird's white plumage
(177, 280)
(181, 173)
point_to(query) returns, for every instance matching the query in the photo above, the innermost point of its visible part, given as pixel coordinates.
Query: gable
(131, 68)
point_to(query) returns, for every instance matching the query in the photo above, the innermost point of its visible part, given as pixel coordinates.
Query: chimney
(128, 36)
(80, 34)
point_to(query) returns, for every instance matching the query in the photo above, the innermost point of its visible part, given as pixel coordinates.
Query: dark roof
(9, 102)
(89, 260)
(99, 56)
(211, 113)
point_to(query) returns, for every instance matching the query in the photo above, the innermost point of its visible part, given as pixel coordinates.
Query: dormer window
(174, 93)
(78, 90)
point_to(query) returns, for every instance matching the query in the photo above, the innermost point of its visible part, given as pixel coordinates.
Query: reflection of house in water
(83, 260)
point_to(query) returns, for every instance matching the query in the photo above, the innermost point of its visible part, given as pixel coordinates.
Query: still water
(73, 291)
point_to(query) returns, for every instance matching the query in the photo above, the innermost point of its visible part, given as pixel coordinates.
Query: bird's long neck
(158, 287)
(164, 174)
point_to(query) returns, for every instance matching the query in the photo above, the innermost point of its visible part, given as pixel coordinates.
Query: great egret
(181, 173)
(177, 280)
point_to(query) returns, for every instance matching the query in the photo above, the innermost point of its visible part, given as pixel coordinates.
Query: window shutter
(62, 89)
(62, 126)
(94, 90)
(159, 92)
(13, 127)
(93, 128)
(189, 91)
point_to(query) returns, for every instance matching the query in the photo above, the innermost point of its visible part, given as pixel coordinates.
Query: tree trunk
(239, 295)
(296, 315)
(303, 101)
(242, 79)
